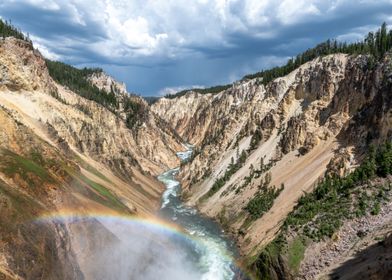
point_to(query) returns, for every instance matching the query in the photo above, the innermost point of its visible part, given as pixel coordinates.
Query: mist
(123, 250)
(109, 247)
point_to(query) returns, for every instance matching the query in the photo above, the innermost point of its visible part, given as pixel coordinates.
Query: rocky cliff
(259, 148)
(287, 167)
(62, 152)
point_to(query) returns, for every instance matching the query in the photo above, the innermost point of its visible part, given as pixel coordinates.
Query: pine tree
(242, 158)
(261, 164)
(267, 179)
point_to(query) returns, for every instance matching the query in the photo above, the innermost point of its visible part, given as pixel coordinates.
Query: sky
(162, 46)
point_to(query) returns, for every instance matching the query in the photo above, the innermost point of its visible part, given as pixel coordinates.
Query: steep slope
(62, 152)
(85, 125)
(259, 148)
(280, 118)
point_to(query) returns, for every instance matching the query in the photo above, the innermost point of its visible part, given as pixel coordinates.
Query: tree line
(375, 44)
(77, 80)
(8, 30)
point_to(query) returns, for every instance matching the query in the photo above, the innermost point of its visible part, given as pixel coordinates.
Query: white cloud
(292, 11)
(170, 28)
(51, 5)
(40, 44)
(170, 41)
(356, 34)
(77, 15)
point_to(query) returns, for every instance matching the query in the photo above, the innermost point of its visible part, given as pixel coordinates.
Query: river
(212, 253)
(123, 247)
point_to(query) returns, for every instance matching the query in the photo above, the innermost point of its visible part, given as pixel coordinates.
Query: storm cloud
(155, 46)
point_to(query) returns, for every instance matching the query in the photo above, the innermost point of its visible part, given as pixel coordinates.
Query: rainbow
(154, 225)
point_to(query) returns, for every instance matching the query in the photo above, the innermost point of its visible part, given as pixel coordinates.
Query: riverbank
(212, 251)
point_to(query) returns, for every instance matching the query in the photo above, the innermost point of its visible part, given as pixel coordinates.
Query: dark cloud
(171, 47)
(50, 24)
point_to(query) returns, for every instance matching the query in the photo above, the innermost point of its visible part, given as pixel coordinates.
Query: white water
(213, 252)
(122, 248)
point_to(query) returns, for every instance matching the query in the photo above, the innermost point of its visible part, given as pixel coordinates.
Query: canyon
(260, 150)
(317, 120)
(61, 151)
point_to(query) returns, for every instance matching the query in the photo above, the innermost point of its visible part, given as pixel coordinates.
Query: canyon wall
(282, 137)
(61, 152)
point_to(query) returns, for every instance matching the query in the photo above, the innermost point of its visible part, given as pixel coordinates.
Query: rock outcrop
(319, 118)
(107, 83)
(61, 152)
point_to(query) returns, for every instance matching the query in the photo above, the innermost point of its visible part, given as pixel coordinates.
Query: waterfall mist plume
(124, 249)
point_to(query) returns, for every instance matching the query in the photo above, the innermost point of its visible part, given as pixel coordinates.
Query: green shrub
(296, 250)
(255, 140)
(319, 207)
(232, 168)
(376, 208)
(262, 201)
